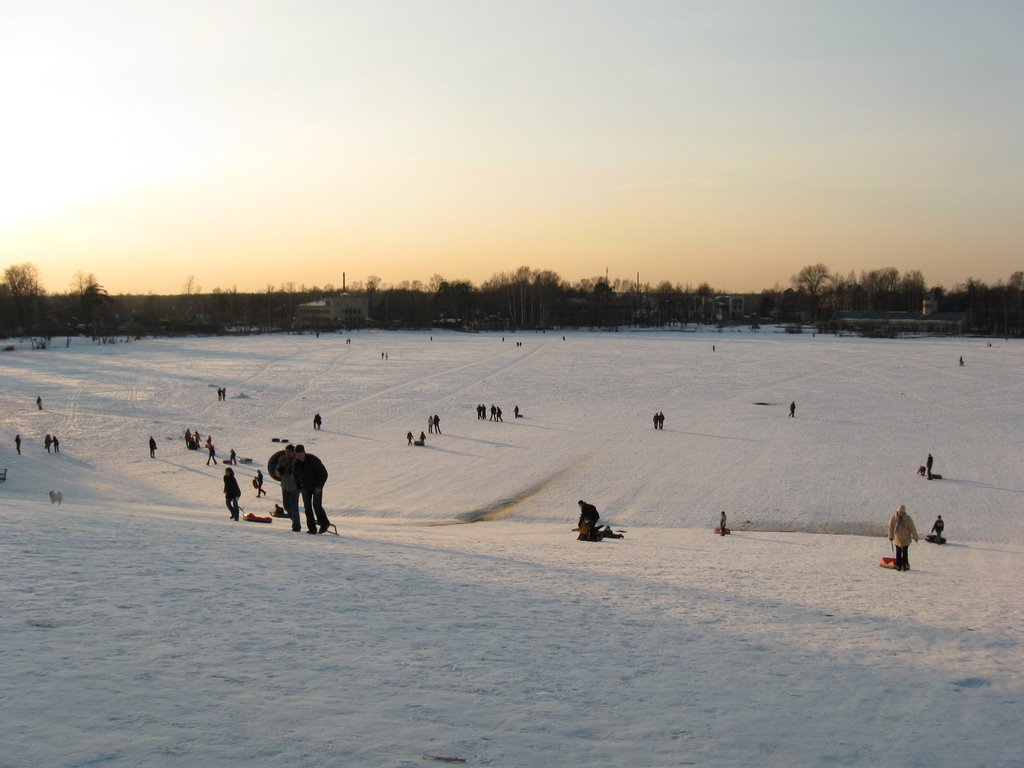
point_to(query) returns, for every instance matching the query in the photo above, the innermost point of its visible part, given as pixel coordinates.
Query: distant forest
(523, 299)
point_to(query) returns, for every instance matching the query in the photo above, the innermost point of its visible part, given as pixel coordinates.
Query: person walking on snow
(152, 447)
(311, 475)
(722, 524)
(928, 467)
(901, 532)
(17, 443)
(937, 527)
(259, 484)
(48, 442)
(211, 452)
(231, 492)
(317, 422)
(437, 424)
(792, 410)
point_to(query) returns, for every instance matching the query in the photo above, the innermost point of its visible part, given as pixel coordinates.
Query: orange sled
(719, 531)
(889, 562)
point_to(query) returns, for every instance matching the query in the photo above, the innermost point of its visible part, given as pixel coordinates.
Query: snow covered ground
(456, 615)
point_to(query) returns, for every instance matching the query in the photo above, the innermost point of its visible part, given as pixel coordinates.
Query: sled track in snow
(505, 507)
(838, 528)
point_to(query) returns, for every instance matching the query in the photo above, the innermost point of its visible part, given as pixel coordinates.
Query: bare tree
(190, 289)
(25, 288)
(811, 280)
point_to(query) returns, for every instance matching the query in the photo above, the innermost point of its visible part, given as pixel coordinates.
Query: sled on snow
(719, 531)
(597, 533)
(257, 518)
(890, 562)
(934, 539)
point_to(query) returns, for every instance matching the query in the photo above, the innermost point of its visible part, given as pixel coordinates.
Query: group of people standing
(481, 412)
(50, 443)
(659, 420)
(301, 474)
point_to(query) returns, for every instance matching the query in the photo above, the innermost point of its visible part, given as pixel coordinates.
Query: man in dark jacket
(587, 523)
(311, 475)
(231, 492)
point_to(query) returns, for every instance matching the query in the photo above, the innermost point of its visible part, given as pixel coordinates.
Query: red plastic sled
(889, 562)
(719, 531)
(256, 518)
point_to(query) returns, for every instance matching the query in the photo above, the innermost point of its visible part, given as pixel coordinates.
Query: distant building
(929, 321)
(729, 308)
(347, 310)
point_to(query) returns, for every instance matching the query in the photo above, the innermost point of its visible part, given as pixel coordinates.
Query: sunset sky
(248, 143)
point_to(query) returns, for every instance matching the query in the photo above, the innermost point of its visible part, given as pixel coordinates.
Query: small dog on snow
(56, 497)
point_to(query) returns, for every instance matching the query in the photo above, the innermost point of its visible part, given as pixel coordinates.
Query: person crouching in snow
(901, 532)
(231, 492)
(587, 523)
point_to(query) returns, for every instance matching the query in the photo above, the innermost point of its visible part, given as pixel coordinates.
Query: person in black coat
(587, 524)
(152, 447)
(928, 466)
(231, 492)
(311, 475)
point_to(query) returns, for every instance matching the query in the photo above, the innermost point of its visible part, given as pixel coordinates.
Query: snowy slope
(141, 627)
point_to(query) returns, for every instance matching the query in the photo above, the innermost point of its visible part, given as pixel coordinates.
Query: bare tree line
(523, 298)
